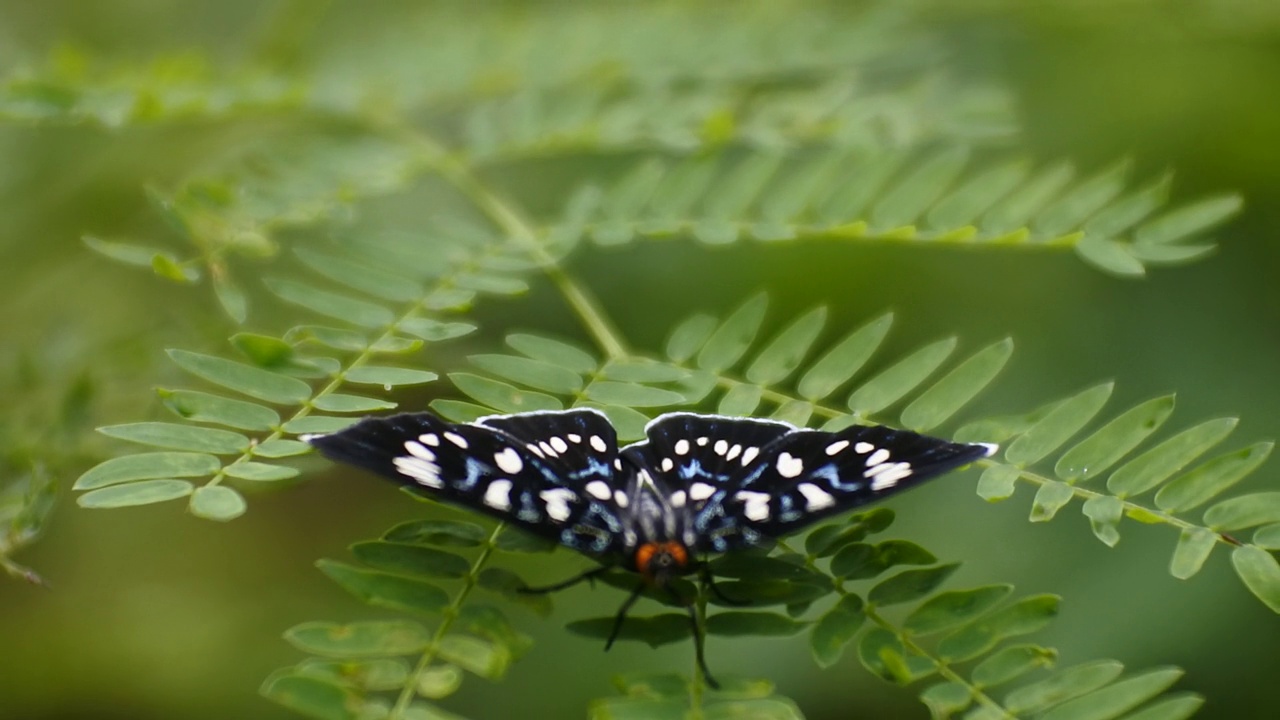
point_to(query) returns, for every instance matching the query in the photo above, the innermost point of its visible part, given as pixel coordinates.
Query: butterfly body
(698, 485)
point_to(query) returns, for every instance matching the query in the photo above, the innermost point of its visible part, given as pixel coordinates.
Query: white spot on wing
(733, 452)
(456, 439)
(682, 447)
(991, 448)
(599, 489)
(667, 464)
(617, 463)
(815, 498)
(559, 444)
(837, 446)
(789, 466)
(419, 450)
(426, 473)
(574, 438)
(863, 448)
(757, 504)
(430, 439)
(891, 476)
(620, 498)
(702, 441)
(598, 443)
(678, 498)
(498, 494)
(557, 500)
(749, 454)
(720, 447)
(509, 461)
(701, 491)
(535, 449)
(548, 449)
(308, 437)
(878, 457)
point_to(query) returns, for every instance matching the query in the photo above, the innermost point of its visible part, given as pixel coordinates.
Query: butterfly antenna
(697, 638)
(589, 575)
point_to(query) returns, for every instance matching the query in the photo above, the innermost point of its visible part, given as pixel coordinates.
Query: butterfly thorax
(658, 561)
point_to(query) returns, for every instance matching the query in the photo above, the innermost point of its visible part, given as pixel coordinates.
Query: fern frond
(383, 313)
(1164, 468)
(396, 669)
(903, 195)
(849, 112)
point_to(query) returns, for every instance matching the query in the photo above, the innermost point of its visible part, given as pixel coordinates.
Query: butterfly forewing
(534, 470)
(806, 475)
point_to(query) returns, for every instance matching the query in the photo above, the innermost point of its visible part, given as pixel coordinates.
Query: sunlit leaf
(362, 639)
(204, 407)
(909, 585)
(1058, 426)
(531, 373)
(1260, 573)
(1012, 662)
(148, 466)
(246, 379)
(342, 402)
(727, 344)
(784, 354)
(360, 313)
(1156, 465)
(388, 376)
(217, 502)
(1116, 698)
(312, 697)
(1020, 618)
(1063, 685)
(555, 352)
(503, 397)
(689, 336)
(1188, 220)
(144, 492)
(1211, 478)
(179, 437)
(955, 389)
(1114, 440)
(900, 378)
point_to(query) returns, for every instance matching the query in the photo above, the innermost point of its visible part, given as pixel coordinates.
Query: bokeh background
(154, 614)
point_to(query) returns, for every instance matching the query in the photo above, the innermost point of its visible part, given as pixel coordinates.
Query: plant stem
(409, 690)
(517, 228)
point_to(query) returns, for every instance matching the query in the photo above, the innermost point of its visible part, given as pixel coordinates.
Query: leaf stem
(517, 228)
(450, 613)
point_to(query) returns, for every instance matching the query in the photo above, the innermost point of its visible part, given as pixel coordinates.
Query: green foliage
(896, 194)
(703, 136)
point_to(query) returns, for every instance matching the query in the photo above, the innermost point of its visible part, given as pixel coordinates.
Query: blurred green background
(154, 614)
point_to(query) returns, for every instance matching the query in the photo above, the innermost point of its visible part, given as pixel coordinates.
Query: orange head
(656, 561)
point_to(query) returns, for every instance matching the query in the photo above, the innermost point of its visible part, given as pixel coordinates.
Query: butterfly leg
(589, 575)
(698, 646)
(709, 580)
(622, 615)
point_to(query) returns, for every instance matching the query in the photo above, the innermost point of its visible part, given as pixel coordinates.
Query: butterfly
(698, 485)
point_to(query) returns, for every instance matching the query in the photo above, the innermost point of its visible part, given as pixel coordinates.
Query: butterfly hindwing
(543, 489)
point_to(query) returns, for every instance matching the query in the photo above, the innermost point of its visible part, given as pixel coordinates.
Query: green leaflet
(246, 379)
(1108, 444)
(147, 466)
(843, 361)
(727, 344)
(217, 502)
(1058, 426)
(179, 437)
(955, 389)
(785, 352)
(204, 407)
(362, 639)
(901, 378)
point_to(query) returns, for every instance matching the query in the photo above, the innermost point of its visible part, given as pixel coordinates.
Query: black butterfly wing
(806, 475)
(525, 469)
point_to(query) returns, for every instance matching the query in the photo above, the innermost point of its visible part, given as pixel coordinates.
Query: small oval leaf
(144, 492)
